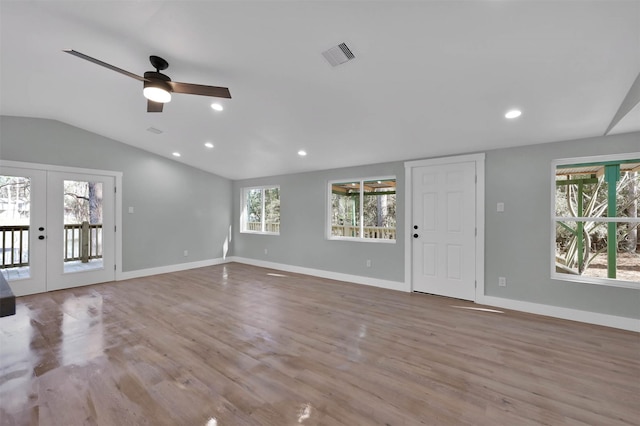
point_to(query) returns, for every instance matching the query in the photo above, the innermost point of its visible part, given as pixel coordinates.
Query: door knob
(41, 228)
(415, 235)
(41, 237)
(414, 227)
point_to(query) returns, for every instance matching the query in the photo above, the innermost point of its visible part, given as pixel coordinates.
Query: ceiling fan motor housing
(157, 79)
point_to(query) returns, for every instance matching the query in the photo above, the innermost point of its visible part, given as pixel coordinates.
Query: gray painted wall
(177, 207)
(518, 240)
(302, 230)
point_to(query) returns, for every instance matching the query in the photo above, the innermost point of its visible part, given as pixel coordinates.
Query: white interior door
(58, 229)
(444, 229)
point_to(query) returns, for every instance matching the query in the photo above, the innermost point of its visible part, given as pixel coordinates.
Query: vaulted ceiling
(429, 78)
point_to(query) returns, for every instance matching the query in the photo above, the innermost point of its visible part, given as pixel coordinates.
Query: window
(596, 217)
(363, 209)
(260, 210)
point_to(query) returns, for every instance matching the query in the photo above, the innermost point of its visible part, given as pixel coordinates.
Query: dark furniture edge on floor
(7, 299)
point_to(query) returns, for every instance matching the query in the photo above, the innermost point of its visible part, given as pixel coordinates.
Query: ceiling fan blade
(154, 106)
(199, 89)
(104, 64)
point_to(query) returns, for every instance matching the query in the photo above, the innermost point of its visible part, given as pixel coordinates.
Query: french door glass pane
(15, 217)
(82, 248)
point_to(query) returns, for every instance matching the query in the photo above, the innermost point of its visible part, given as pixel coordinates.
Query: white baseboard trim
(624, 323)
(357, 279)
(169, 268)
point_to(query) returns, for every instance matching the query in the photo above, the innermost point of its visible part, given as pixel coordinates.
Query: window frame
(243, 210)
(329, 211)
(610, 282)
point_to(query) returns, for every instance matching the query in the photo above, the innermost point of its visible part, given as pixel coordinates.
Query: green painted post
(612, 175)
(580, 231)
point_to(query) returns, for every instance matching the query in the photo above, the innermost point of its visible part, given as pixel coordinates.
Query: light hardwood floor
(240, 345)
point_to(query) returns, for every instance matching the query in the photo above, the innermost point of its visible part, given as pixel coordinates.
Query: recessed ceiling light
(514, 113)
(208, 145)
(176, 154)
(216, 107)
(302, 153)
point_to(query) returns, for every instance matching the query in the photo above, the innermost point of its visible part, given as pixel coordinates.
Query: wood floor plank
(239, 345)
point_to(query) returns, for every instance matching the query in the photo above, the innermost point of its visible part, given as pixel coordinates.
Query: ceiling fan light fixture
(157, 91)
(216, 106)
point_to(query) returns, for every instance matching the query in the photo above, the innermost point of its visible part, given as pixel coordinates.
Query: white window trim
(243, 210)
(329, 212)
(610, 282)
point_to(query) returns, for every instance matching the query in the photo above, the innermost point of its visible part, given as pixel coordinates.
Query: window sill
(595, 281)
(363, 240)
(259, 233)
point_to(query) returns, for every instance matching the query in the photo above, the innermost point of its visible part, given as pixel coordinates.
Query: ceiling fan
(157, 86)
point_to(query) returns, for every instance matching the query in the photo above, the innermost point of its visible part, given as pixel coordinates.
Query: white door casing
(46, 255)
(444, 255)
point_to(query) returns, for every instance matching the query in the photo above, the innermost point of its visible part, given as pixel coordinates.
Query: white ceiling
(430, 78)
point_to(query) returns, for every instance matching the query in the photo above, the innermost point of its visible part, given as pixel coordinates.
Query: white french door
(77, 256)
(58, 229)
(444, 229)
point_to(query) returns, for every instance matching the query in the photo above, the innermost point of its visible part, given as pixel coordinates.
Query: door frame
(480, 214)
(117, 200)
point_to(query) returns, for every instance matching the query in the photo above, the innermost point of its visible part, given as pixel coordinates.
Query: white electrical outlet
(131, 210)
(186, 253)
(500, 207)
(502, 281)
(368, 263)
(266, 251)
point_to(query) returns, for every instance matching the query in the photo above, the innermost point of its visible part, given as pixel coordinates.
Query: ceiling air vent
(338, 55)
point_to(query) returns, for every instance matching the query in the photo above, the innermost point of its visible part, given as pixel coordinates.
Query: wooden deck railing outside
(15, 246)
(81, 242)
(372, 232)
(268, 227)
